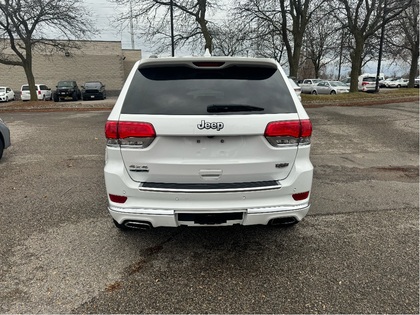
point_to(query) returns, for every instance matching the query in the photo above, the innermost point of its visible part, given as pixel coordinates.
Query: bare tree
(407, 45)
(232, 39)
(24, 25)
(153, 16)
(363, 19)
(288, 19)
(322, 41)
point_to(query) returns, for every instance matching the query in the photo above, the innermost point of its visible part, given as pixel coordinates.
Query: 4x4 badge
(210, 125)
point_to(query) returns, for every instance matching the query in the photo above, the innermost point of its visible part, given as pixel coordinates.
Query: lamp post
(381, 44)
(172, 27)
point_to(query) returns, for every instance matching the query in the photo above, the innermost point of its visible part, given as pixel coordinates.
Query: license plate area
(210, 218)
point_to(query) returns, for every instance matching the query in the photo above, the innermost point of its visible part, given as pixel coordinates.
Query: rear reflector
(117, 199)
(301, 196)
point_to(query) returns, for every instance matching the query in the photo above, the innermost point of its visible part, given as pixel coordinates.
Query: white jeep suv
(202, 141)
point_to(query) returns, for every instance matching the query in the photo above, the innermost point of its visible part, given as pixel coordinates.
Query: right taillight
(289, 133)
(129, 133)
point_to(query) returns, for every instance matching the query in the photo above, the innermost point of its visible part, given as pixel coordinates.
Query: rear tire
(314, 92)
(1, 147)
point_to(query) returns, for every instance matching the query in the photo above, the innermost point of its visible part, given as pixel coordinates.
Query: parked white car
(387, 81)
(6, 94)
(207, 141)
(43, 92)
(307, 85)
(297, 88)
(398, 83)
(330, 87)
(367, 84)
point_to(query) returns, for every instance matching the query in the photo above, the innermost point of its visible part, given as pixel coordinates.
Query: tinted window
(65, 83)
(370, 79)
(25, 88)
(183, 90)
(93, 85)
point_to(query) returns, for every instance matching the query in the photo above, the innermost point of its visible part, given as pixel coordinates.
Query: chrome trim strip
(142, 211)
(226, 190)
(279, 209)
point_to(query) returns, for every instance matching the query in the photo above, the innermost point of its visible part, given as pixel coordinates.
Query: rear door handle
(210, 174)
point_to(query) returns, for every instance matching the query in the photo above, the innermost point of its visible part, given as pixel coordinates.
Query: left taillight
(289, 133)
(129, 133)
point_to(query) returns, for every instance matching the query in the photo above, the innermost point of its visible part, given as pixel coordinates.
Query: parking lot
(357, 251)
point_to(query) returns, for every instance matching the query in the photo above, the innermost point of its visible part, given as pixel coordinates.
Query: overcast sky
(103, 12)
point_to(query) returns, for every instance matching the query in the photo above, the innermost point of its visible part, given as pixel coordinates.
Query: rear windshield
(92, 85)
(183, 90)
(25, 88)
(65, 84)
(370, 79)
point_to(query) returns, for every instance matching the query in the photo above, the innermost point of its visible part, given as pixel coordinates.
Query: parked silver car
(330, 87)
(4, 137)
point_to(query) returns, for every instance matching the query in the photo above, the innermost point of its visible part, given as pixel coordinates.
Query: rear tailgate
(205, 122)
(184, 153)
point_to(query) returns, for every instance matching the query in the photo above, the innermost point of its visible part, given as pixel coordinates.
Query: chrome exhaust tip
(283, 221)
(140, 225)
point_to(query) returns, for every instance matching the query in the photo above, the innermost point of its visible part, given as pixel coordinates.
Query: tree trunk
(27, 66)
(207, 37)
(413, 67)
(294, 61)
(356, 62)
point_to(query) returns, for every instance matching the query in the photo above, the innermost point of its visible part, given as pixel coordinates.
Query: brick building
(104, 61)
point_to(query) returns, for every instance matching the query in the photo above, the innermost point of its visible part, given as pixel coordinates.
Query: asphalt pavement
(356, 252)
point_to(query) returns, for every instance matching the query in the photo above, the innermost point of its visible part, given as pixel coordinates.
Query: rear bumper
(172, 218)
(93, 96)
(246, 207)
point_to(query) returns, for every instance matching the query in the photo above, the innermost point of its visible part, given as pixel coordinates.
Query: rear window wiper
(233, 108)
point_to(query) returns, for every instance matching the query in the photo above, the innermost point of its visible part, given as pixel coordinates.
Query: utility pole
(172, 28)
(381, 44)
(131, 25)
